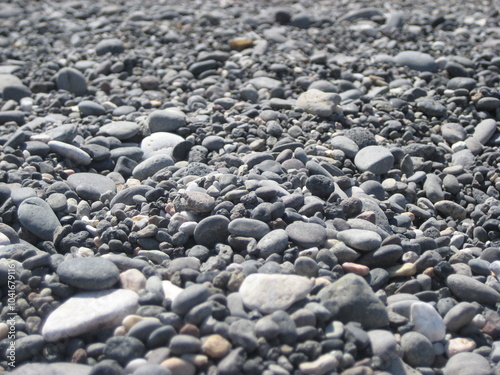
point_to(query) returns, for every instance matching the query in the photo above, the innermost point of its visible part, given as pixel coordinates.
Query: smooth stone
(450, 208)
(133, 279)
(268, 293)
(19, 195)
(194, 201)
(319, 103)
(431, 107)
(427, 321)
(88, 273)
(306, 235)
(376, 159)
(150, 166)
(126, 196)
(216, 346)
(347, 145)
(469, 289)
(184, 344)
(113, 45)
(244, 227)
(100, 183)
(119, 129)
(212, 230)
(264, 83)
(123, 349)
(356, 301)
(383, 343)
(213, 142)
(75, 154)
(359, 239)
(36, 216)
(55, 368)
(16, 92)
(306, 266)
(461, 83)
(274, 242)
(463, 158)
(63, 133)
(415, 60)
(178, 366)
(453, 133)
(459, 345)
(160, 143)
(417, 350)
(90, 108)
(89, 311)
(485, 130)
(433, 188)
(166, 120)
(190, 297)
(324, 364)
(241, 333)
(460, 316)
(71, 80)
(466, 364)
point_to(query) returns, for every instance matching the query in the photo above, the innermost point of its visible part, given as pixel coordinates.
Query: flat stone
(113, 45)
(359, 239)
(89, 311)
(268, 293)
(160, 143)
(485, 130)
(244, 227)
(36, 216)
(450, 208)
(427, 321)
(417, 350)
(71, 80)
(274, 242)
(166, 120)
(306, 234)
(431, 107)
(212, 230)
(419, 61)
(126, 196)
(469, 289)
(150, 166)
(319, 103)
(91, 108)
(324, 364)
(264, 83)
(119, 129)
(73, 153)
(99, 182)
(356, 301)
(194, 201)
(466, 364)
(56, 368)
(190, 297)
(91, 273)
(376, 159)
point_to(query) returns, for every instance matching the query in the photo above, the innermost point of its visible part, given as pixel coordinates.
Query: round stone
(36, 216)
(306, 234)
(89, 273)
(212, 230)
(376, 159)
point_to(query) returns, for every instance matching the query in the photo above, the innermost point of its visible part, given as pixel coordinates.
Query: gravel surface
(231, 187)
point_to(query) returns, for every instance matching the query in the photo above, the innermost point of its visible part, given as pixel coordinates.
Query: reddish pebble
(358, 269)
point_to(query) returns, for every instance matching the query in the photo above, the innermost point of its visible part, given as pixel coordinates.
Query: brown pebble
(216, 346)
(79, 356)
(178, 366)
(190, 329)
(240, 43)
(358, 269)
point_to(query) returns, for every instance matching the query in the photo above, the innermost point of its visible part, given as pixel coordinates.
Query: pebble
(101, 184)
(265, 292)
(459, 345)
(324, 364)
(73, 153)
(468, 363)
(123, 349)
(88, 273)
(375, 159)
(450, 208)
(427, 321)
(212, 230)
(36, 216)
(248, 228)
(469, 289)
(485, 130)
(151, 165)
(460, 316)
(179, 366)
(160, 143)
(71, 80)
(216, 346)
(356, 301)
(121, 130)
(167, 120)
(88, 311)
(319, 103)
(415, 60)
(306, 235)
(189, 298)
(417, 350)
(359, 239)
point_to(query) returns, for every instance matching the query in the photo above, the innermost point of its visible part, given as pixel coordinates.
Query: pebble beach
(225, 187)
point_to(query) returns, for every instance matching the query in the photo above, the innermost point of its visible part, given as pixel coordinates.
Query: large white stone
(272, 292)
(319, 103)
(89, 311)
(159, 143)
(427, 321)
